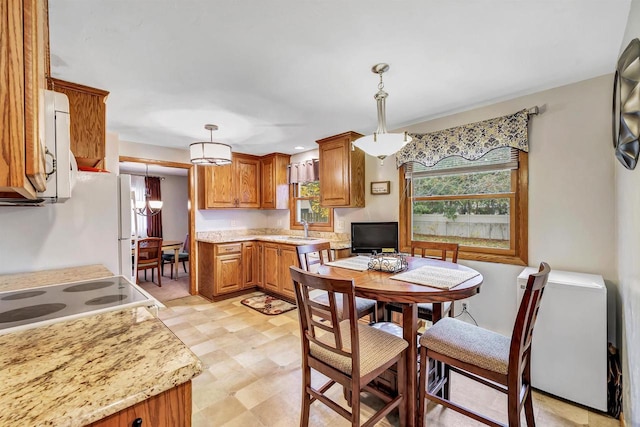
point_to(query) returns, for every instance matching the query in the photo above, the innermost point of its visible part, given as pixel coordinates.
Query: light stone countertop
(16, 282)
(279, 238)
(79, 371)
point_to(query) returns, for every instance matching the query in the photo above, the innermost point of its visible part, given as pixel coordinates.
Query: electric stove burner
(22, 295)
(107, 299)
(49, 304)
(30, 312)
(91, 286)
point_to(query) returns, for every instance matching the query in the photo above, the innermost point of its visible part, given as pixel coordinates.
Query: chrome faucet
(305, 224)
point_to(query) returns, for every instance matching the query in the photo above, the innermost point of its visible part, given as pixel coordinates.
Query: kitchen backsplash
(222, 234)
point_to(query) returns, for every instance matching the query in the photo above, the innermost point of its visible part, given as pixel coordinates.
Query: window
(305, 205)
(480, 204)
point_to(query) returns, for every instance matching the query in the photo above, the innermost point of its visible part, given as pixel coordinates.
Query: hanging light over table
(209, 152)
(382, 144)
(148, 207)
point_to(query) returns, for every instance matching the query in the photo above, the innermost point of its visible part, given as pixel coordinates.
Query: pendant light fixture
(148, 207)
(382, 144)
(209, 152)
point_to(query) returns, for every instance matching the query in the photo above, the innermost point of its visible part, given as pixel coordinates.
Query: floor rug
(266, 304)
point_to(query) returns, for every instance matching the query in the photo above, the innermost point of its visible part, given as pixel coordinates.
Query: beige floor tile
(252, 375)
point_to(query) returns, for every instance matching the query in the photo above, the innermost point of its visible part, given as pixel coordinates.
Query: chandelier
(148, 207)
(209, 152)
(382, 144)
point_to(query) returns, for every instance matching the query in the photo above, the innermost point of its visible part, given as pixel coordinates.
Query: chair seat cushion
(376, 348)
(363, 305)
(147, 264)
(182, 256)
(468, 343)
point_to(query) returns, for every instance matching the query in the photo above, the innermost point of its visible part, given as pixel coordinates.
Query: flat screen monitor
(367, 237)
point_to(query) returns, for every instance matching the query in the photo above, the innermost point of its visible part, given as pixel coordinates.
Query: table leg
(410, 331)
(176, 261)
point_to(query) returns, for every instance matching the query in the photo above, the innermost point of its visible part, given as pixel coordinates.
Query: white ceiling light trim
(209, 152)
(381, 144)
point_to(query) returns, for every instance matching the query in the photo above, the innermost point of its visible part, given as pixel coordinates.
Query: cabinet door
(288, 257)
(247, 177)
(171, 408)
(88, 119)
(334, 173)
(270, 266)
(206, 278)
(218, 187)
(21, 77)
(228, 274)
(250, 264)
(274, 189)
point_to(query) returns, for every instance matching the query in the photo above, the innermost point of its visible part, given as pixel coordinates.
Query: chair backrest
(425, 248)
(185, 245)
(520, 350)
(315, 316)
(150, 250)
(322, 249)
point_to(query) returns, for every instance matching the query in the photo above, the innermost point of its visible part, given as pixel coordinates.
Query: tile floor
(252, 374)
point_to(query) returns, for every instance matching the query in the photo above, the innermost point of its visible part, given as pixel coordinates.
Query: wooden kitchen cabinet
(171, 408)
(250, 264)
(277, 258)
(226, 268)
(23, 71)
(274, 188)
(88, 119)
(341, 172)
(231, 186)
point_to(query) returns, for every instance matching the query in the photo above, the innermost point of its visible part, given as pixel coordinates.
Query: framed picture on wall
(380, 187)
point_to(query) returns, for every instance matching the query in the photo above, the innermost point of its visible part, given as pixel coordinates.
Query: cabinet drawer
(229, 248)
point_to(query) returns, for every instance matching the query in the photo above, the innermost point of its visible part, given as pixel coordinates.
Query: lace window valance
(470, 141)
(307, 171)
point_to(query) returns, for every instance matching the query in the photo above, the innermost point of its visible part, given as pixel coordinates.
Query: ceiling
(278, 74)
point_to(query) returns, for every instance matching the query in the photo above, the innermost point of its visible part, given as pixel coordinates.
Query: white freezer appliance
(569, 349)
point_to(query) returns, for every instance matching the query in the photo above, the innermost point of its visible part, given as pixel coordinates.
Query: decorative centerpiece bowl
(390, 262)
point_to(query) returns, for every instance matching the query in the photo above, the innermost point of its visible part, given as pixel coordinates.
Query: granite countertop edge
(294, 240)
(79, 371)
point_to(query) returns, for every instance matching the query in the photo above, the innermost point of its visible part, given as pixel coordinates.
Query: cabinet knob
(137, 422)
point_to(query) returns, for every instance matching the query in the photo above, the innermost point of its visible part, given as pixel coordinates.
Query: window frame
(517, 253)
(313, 226)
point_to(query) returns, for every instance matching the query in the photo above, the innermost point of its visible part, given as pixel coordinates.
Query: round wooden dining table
(379, 286)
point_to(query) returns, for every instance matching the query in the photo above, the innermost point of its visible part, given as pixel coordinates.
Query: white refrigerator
(126, 232)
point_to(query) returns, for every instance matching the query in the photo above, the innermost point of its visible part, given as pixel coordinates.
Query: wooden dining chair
(317, 254)
(346, 351)
(150, 257)
(437, 250)
(183, 256)
(485, 356)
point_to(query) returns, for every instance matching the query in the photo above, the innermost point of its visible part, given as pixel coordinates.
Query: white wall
(154, 152)
(627, 212)
(571, 223)
(175, 215)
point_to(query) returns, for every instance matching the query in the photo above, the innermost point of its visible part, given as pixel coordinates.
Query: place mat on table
(436, 277)
(360, 263)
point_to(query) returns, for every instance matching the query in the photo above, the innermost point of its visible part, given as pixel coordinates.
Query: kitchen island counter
(75, 372)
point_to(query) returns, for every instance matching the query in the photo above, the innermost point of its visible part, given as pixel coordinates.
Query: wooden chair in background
(436, 250)
(307, 258)
(150, 257)
(182, 257)
(346, 351)
(485, 356)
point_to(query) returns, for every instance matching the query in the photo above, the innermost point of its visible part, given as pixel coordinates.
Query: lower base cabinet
(220, 269)
(277, 258)
(171, 408)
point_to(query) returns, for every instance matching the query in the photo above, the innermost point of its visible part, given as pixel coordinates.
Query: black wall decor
(626, 106)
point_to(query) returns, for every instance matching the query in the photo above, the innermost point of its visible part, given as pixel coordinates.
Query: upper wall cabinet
(232, 186)
(88, 113)
(23, 62)
(341, 172)
(274, 188)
